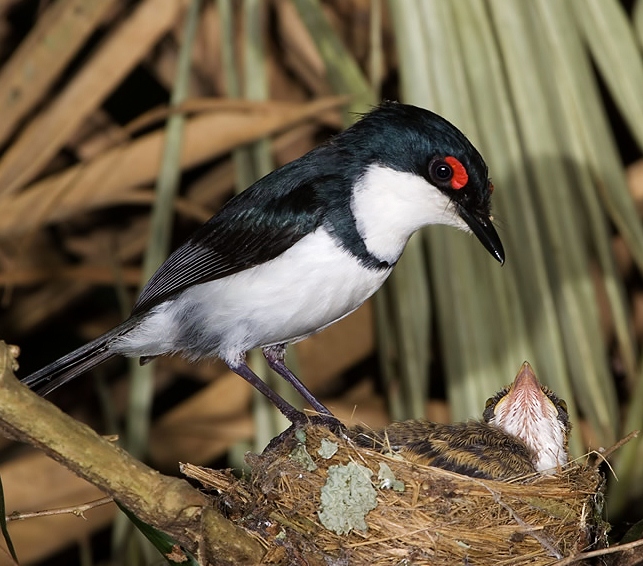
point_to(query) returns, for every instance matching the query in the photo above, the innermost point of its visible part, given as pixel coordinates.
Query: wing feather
(251, 229)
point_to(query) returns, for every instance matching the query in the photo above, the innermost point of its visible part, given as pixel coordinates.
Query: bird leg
(293, 415)
(275, 357)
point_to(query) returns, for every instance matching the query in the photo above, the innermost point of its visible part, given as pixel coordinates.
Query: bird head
(418, 169)
(533, 413)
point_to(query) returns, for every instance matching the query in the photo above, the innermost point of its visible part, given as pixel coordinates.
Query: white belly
(308, 287)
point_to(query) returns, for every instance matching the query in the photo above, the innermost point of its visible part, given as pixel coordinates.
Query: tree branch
(167, 503)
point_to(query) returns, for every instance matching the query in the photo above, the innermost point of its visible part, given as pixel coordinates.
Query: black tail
(75, 363)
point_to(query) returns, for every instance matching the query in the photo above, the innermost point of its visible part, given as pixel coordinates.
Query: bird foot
(301, 421)
(330, 422)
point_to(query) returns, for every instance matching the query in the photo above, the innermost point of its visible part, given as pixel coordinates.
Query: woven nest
(439, 518)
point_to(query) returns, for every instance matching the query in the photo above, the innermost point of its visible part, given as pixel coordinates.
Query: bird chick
(532, 412)
(525, 430)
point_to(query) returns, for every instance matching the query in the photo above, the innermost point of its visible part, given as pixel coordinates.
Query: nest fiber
(342, 504)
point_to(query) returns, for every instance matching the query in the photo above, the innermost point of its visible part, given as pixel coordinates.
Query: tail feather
(75, 363)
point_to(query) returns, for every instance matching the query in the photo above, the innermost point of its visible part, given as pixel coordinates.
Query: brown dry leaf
(6, 4)
(350, 340)
(295, 143)
(112, 61)
(637, 310)
(92, 274)
(213, 185)
(207, 56)
(102, 181)
(634, 175)
(43, 304)
(300, 52)
(622, 256)
(204, 426)
(97, 134)
(42, 56)
(34, 482)
(103, 252)
(361, 406)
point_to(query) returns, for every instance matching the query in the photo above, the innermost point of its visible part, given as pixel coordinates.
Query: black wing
(254, 227)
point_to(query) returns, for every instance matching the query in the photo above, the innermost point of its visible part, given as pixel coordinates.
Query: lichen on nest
(438, 518)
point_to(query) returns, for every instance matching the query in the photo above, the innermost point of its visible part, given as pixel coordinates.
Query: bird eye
(448, 171)
(440, 171)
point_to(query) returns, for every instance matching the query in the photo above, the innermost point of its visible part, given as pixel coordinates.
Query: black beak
(483, 228)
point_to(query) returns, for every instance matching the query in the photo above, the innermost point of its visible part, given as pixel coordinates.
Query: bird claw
(330, 422)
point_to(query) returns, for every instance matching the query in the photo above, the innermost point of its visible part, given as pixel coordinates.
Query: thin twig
(77, 510)
(609, 451)
(601, 552)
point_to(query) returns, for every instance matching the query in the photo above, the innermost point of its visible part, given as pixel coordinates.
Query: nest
(404, 512)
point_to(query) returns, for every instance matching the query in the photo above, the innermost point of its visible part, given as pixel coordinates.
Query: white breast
(308, 287)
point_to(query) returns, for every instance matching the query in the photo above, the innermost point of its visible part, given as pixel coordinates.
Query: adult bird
(300, 249)
(525, 429)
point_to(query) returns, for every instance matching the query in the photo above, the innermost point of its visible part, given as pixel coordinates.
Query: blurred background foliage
(123, 118)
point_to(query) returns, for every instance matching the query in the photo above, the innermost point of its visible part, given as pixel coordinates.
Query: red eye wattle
(460, 175)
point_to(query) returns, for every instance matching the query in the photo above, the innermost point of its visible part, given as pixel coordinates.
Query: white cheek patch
(389, 206)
